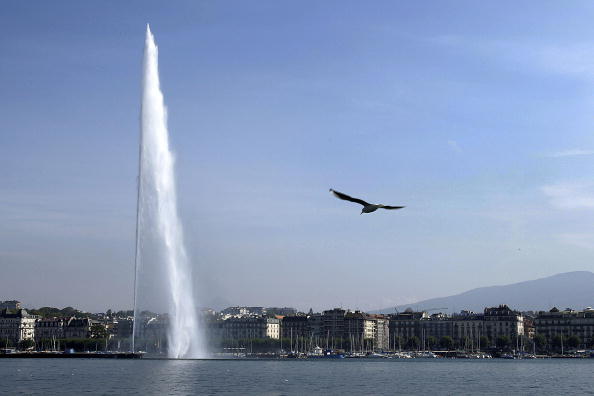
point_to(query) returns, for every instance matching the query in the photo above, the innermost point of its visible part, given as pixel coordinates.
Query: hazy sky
(478, 116)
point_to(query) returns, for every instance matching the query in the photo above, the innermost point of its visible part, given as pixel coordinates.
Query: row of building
(566, 323)
(18, 325)
(339, 327)
(492, 323)
(335, 328)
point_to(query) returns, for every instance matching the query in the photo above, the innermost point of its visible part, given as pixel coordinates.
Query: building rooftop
(21, 313)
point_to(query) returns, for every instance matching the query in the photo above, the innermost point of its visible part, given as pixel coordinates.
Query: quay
(74, 355)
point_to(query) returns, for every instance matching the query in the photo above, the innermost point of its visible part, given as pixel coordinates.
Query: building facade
(381, 336)
(249, 327)
(123, 327)
(333, 324)
(566, 323)
(315, 323)
(503, 321)
(465, 328)
(295, 326)
(16, 327)
(78, 328)
(407, 324)
(49, 329)
(359, 330)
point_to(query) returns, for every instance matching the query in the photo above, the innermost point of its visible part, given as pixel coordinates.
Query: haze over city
(476, 117)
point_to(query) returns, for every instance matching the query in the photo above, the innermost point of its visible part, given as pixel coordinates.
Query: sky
(478, 116)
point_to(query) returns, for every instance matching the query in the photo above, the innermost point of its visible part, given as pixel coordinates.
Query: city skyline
(459, 111)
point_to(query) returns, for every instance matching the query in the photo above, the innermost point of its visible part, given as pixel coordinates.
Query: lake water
(297, 377)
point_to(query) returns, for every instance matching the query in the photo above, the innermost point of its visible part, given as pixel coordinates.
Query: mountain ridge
(573, 289)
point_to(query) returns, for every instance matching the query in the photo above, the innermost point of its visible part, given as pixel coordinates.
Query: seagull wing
(392, 207)
(348, 198)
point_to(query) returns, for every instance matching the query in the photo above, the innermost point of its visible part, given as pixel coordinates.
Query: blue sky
(476, 116)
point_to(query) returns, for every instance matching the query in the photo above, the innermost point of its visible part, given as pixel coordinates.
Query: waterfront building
(123, 327)
(333, 322)
(153, 327)
(528, 326)
(16, 326)
(107, 326)
(295, 326)
(465, 328)
(338, 328)
(78, 328)
(407, 324)
(49, 328)
(249, 327)
(503, 321)
(359, 330)
(381, 336)
(152, 333)
(438, 325)
(316, 325)
(566, 323)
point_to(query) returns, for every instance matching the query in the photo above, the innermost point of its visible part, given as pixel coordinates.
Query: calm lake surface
(297, 377)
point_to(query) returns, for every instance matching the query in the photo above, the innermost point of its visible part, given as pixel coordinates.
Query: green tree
(49, 312)
(557, 341)
(466, 343)
(502, 342)
(98, 330)
(446, 342)
(413, 342)
(540, 341)
(431, 342)
(573, 341)
(485, 342)
(123, 314)
(26, 344)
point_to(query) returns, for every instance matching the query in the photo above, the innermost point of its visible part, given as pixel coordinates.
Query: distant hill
(567, 290)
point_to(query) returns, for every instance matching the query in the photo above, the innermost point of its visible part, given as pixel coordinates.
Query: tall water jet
(158, 218)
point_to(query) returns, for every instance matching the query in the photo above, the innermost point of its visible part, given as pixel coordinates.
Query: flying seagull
(367, 207)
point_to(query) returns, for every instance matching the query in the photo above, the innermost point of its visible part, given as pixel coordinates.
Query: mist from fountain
(158, 216)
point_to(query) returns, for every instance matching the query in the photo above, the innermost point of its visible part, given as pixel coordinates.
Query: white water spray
(157, 214)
